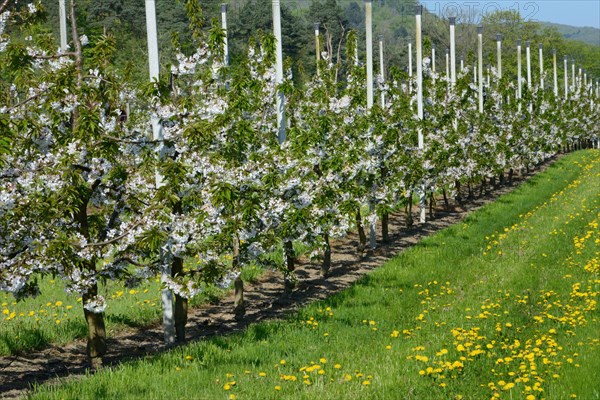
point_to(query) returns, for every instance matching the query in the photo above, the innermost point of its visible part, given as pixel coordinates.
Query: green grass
(57, 318)
(501, 305)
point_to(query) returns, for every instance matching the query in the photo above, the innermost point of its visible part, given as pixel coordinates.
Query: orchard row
(189, 178)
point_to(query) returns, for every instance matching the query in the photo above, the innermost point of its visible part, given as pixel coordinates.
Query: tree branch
(77, 42)
(55, 56)
(4, 6)
(113, 240)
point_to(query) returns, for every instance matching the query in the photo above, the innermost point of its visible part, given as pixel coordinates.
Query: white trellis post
(462, 63)
(555, 73)
(410, 67)
(381, 69)
(452, 21)
(489, 74)
(566, 68)
(157, 135)
(62, 15)
(519, 73)
(419, 44)
(448, 63)
(499, 54)
(317, 46)
(573, 81)
(281, 124)
(475, 74)
(579, 79)
(541, 67)
(528, 56)
(433, 58)
(480, 66)
(369, 49)
(224, 27)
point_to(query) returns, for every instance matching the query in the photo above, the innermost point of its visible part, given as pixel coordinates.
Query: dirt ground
(265, 299)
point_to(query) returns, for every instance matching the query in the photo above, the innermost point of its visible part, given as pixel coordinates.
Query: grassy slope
(500, 305)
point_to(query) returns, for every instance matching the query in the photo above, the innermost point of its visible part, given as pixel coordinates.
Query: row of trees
(87, 196)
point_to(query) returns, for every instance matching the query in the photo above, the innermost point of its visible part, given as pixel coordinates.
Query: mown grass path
(502, 305)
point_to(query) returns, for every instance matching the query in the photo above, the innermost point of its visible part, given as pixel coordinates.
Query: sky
(576, 13)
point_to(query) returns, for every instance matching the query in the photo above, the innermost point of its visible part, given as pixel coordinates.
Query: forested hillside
(585, 34)
(126, 21)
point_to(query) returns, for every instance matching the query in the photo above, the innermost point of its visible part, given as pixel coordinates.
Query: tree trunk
(446, 203)
(470, 189)
(239, 308)
(290, 264)
(385, 227)
(181, 303)
(458, 198)
(431, 205)
(511, 172)
(96, 339)
(326, 264)
(482, 188)
(408, 209)
(501, 178)
(362, 238)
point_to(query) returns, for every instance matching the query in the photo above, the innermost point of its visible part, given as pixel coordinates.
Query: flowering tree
(68, 205)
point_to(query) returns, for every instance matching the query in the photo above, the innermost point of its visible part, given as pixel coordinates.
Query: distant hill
(583, 34)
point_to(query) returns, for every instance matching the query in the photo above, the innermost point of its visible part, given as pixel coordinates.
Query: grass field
(502, 305)
(56, 318)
